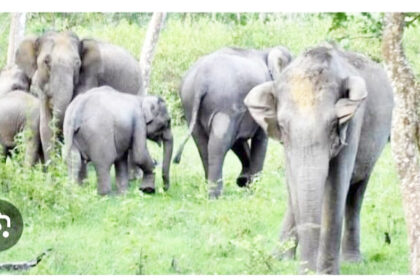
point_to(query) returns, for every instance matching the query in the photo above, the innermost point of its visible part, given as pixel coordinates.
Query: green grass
(181, 231)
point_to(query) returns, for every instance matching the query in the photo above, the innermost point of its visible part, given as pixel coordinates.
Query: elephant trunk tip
(177, 158)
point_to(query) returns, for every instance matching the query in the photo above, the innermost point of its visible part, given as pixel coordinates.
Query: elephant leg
(104, 178)
(220, 141)
(241, 149)
(133, 170)
(351, 237)
(147, 166)
(4, 153)
(121, 174)
(32, 149)
(45, 130)
(258, 150)
(76, 166)
(201, 140)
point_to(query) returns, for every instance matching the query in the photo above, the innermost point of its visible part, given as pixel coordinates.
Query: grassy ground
(181, 231)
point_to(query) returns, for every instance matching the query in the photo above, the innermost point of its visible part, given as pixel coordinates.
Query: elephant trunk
(307, 172)
(61, 89)
(167, 156)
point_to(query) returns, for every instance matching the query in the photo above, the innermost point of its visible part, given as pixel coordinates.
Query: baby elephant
(13, 78)
(18, 109)
(104, 126)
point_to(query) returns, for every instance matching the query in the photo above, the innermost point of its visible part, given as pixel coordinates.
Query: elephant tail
(71, 125)
(194, 115)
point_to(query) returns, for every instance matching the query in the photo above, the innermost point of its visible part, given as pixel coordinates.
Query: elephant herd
(331, 109)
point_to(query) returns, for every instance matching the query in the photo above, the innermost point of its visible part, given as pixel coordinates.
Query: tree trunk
(16, 33)
(149, 46)
(213, 16)
(405, 129)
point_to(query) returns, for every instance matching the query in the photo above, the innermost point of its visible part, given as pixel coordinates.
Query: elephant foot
(122, 191)
(148, 184)
(104, 192)
(148, 190)
(215, 189)
(353, 257)
(135, 174)
(214, 193)
(243, 180)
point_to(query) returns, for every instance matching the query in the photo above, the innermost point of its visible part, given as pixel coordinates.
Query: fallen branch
(23, 265)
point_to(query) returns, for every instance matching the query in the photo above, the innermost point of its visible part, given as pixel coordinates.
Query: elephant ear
(277, 59)
(262, 105)
(26, 55)
(355, 92)
(150, 108)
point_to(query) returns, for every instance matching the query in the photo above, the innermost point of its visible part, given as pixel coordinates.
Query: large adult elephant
(60, 66)
(212, 94)
(332, 110)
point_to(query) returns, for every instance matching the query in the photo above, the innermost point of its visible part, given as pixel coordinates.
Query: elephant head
(308, 109)
(277, 59)
(52, 62)
(158, 124)
(13, 78)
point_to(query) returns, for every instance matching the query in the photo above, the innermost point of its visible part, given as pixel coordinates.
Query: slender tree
(149, 46)
(405, 128)
(16, 33)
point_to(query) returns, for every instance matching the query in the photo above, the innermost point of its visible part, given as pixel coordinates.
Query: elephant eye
(47, 61)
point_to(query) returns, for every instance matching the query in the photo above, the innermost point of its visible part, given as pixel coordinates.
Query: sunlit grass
(181, 231)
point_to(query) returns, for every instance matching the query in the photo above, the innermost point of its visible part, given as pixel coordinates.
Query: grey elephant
(13, 78)
(18, 110)
(59, 66)
(97, 130)
(332, 110)
(212, 94)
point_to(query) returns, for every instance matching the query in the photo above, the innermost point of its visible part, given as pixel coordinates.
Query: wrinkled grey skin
(13, 78)
(111, 65)
(331, 109)
(52, 63)
(20, 110)
(60, 66)
(212, 95)
(97, 130)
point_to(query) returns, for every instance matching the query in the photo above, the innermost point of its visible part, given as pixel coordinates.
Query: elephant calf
(19, 109)
(104, 126)
(13, 78)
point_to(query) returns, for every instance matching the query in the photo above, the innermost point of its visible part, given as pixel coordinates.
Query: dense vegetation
(181, 231)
